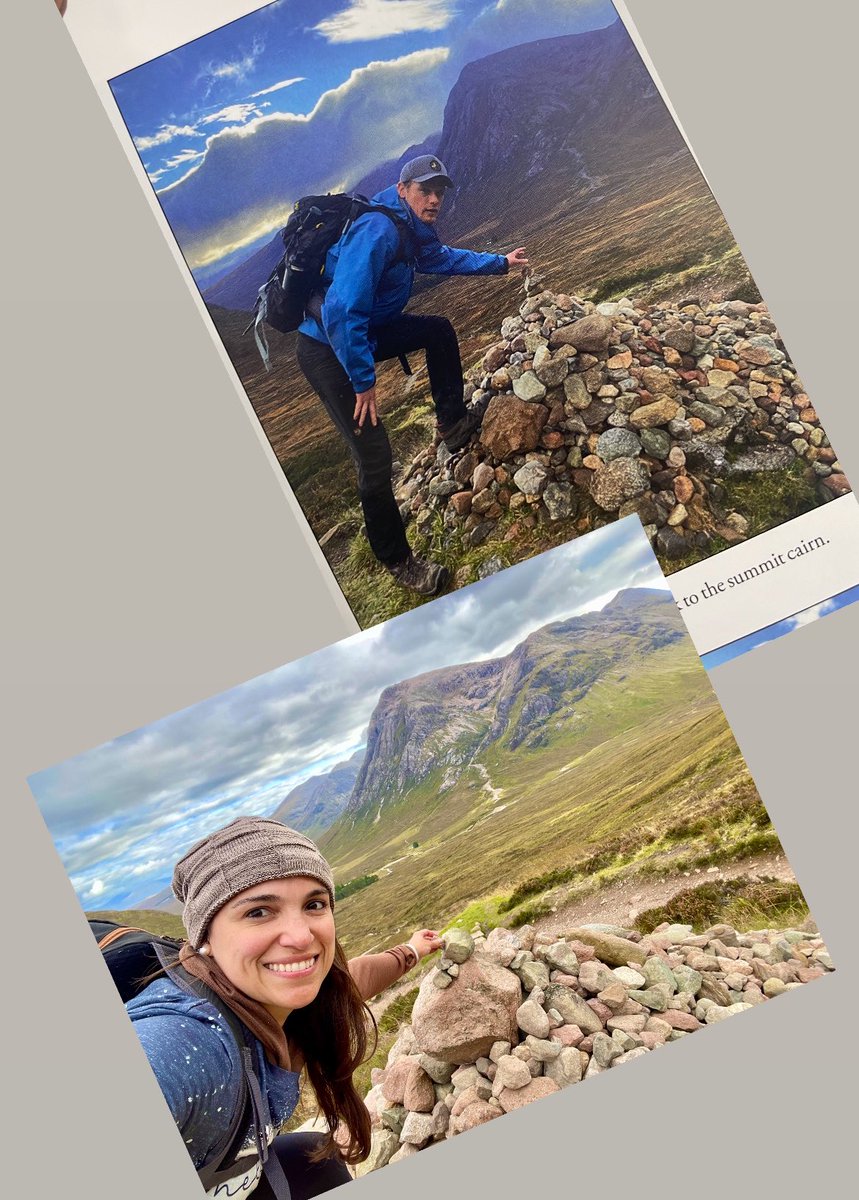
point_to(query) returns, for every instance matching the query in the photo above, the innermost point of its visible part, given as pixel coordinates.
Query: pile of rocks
(508, 1019)
(598, 411)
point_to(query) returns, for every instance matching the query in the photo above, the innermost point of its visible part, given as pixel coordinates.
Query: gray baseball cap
(424, 168)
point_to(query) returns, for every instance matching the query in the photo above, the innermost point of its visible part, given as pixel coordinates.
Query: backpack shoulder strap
(405, 248)
(251, 1106)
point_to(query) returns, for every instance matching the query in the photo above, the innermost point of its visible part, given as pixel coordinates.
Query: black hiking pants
(369, 445)
(306, 1179)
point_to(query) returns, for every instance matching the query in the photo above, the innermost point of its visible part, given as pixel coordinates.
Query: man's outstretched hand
(517, 258)
(365, 406)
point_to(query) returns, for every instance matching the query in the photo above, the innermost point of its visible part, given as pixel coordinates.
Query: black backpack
(132, 957)
(316, 223)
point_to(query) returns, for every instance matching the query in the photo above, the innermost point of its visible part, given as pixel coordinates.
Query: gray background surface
(152, 559)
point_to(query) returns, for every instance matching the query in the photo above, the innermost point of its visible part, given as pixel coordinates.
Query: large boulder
(612, 950)
(383, 1146)
(461, 1023)
(572, 1008)
(660, 412)
(591, 334)
(512, 426)
(511, 1098)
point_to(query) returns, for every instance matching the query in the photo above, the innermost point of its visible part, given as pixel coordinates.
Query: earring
(205, 949)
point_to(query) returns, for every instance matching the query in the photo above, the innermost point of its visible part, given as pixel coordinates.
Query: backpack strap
(252, 1104)
(115, 934)
(272, 1169)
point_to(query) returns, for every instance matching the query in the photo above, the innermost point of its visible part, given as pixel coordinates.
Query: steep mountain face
(528, 133)
(561, 119)
(446, 719)
(318, 802)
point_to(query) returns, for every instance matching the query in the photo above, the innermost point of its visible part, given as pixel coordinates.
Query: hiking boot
(419, 575)
(459, 434)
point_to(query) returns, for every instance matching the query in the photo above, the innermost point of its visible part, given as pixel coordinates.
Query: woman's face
(275, 941)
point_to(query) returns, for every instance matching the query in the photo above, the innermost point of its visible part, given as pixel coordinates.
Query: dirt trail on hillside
(612, 905)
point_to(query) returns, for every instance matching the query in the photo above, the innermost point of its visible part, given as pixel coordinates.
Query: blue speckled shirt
(198, 1067)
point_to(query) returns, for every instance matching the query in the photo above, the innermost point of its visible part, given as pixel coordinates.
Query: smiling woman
(260, 990)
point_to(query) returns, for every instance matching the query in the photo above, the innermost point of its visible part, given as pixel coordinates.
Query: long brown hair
(331, 1035)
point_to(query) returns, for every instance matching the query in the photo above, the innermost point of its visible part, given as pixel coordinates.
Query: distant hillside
(317, 803)
(160, 923)
(549, 126)
(238, 290)
(164, 901)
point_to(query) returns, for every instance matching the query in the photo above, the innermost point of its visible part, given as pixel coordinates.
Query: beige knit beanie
(248, 851)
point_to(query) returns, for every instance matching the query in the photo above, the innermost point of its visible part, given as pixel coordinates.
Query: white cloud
(185, 156)
(368, 20)
(277, 87)
(235, 114)
(813, 614)
(165, 135)
(252, 173)
(236, 68)
(151, 864)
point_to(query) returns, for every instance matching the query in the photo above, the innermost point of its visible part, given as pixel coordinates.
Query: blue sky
(778, 629)
(121, 815)
(298, 98)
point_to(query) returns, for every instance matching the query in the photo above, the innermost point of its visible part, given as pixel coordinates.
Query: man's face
(424, 199)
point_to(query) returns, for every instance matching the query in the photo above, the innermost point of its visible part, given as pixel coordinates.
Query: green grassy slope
(164, 924)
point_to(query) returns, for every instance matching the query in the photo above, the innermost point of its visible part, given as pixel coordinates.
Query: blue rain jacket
(367, 287)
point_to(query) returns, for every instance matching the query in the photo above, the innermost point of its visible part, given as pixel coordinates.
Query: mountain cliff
(553, 124)
(430, 734)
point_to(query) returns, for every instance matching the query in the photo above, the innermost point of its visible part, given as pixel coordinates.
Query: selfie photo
(433, 873)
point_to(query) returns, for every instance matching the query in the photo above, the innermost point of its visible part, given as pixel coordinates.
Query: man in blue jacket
(368, 279)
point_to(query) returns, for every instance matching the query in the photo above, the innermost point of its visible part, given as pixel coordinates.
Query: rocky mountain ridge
(445, 718)
(564, 120)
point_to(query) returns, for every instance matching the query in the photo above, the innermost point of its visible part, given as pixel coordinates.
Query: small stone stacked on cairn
(523, 1014)
(630, 406)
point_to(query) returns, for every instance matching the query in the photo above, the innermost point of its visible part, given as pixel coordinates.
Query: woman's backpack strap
(251, 1106)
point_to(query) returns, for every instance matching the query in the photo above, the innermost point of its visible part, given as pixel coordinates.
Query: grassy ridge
(153, 920)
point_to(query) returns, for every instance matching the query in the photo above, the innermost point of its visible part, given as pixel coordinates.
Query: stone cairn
(597, 411)
(507, 1019)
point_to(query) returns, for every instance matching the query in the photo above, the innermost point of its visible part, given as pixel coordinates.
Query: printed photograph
(534, 322)
(433, 873)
